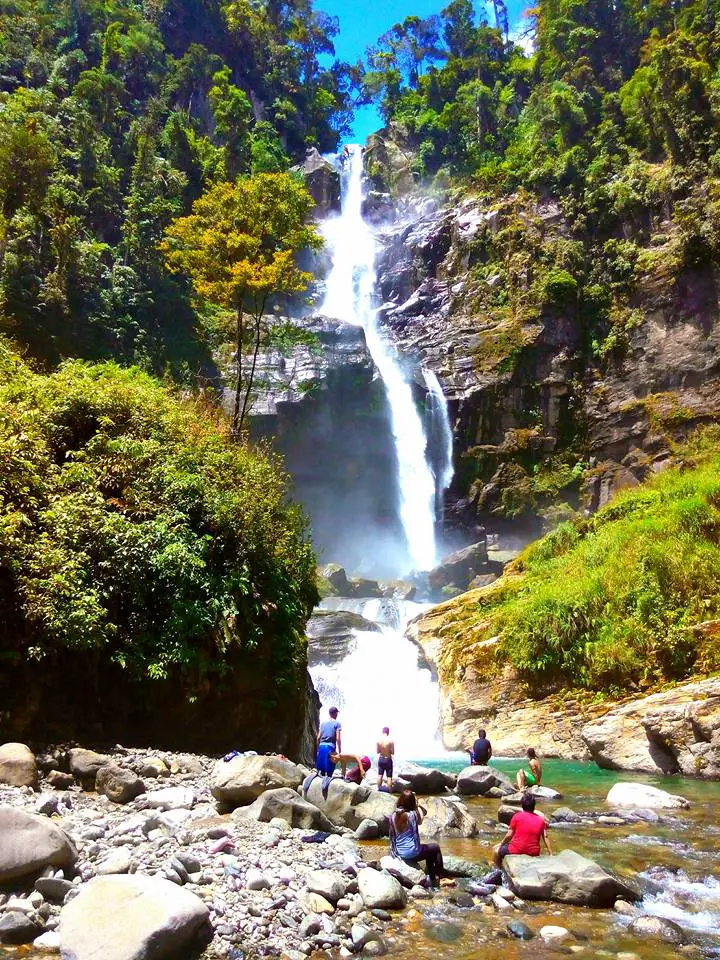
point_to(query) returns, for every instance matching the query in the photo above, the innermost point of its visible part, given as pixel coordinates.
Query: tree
(238, 246)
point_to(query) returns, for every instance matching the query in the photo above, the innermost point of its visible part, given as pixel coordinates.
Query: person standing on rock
(386, 751)
(532, 776)
(328, 743)
(524, 833)
(405, 837)
(481, 750)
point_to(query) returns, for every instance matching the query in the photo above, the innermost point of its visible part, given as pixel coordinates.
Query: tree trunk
(239, 334)
(256, 349)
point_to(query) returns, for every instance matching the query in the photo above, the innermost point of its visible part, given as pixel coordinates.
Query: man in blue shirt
(328, 743)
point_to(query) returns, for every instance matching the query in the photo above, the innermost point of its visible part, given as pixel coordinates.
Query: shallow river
(681, 854)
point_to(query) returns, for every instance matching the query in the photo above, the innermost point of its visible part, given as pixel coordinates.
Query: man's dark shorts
(385, 766)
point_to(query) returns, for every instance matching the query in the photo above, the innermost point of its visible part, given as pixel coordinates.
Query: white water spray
(440, 425)
(349, 297)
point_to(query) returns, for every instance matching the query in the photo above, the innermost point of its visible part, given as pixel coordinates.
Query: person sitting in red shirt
(525, 832)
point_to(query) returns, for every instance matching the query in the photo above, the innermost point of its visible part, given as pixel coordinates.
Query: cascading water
(350, 297)
(439, 427)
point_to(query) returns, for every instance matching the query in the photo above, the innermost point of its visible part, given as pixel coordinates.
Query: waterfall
(379, 683)
(350, 296)
(439, 426)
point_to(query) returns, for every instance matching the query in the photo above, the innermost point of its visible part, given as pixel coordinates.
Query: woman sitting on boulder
(405, 837)
(525, 832)
(531, 777)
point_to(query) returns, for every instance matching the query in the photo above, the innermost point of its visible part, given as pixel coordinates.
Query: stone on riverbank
(118, 784)
(242, 780)
(380, 890)
(643, 795)
(17, 765)
(18, 927)
(422, 779)
(84, 765)
(408, 875)
(330, 884)
(28, 843)
(288, 806)
(447, 818)
(477, 781)
(132, 918)
(658, 928)
(348, 804)
(566, 878)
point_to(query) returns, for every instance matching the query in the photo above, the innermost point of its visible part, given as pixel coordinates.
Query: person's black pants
(432, 855)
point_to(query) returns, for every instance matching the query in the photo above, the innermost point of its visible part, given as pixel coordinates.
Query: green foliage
(131, 525)
(611, 603)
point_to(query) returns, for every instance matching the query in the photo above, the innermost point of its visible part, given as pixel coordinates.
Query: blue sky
(363, 21)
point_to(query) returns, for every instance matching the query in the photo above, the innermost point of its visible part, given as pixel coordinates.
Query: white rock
(551, 934)
(256, 880)
(119, 861)
(380, 891)
(170, 798)
(28, 843)
(328, 883)
(643, 795)
(17, 765)
(47, 942)
(130, 918)
(406, 874)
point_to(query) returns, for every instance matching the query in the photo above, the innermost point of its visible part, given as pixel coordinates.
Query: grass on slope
(610, 603)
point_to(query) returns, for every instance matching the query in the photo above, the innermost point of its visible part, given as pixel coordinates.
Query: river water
(676, 859)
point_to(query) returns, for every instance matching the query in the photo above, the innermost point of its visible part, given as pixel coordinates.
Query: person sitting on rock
(385, 750)
(524, 834)
(532, 776)
(405, 837)
(481, 750)
(328, 743)
(360, 766)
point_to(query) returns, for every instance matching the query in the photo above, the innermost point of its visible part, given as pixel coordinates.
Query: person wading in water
(405, 837)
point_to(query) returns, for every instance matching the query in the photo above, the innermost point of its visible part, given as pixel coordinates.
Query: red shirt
(528, 829)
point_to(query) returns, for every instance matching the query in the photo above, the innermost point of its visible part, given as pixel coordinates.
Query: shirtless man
(386, 751)
(532, 776)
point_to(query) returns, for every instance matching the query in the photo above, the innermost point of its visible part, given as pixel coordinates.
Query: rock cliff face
(676, 731)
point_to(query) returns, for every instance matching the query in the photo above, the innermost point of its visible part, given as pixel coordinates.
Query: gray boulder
(18, 927)
(404, 872)
(459, 568)
(348, 804)
(29, 843)
(118, 784)
(658, 928)
(478, 781)
(447, 818)
(643, 795)
(84, 765)
(336, 577)
(59, 780)
(423, 780)
(288, 806)
(566, 878)
(243, 779)
(367, 830)
(132, 918)
(331, 634)
(18, 767)
(330, 884)
(322, 181)
(380, 891)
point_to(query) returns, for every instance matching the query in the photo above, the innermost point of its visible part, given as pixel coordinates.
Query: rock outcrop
(323, 182)
(566, 878)
(331, 634)
(677, 731)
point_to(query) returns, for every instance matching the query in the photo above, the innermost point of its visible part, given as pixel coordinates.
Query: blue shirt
(405, 845)
(329, 731)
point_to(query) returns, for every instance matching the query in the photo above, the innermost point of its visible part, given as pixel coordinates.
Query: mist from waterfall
(350, 297)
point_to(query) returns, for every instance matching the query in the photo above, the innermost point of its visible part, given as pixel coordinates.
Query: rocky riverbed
(136, 854)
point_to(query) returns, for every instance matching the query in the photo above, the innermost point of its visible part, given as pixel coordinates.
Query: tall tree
(239, 247)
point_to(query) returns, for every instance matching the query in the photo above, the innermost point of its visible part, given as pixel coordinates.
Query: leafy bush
(611, 603)
(130, 525)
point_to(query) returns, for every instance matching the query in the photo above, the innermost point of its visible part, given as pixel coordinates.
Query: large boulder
(658, 928)
(322, 181)
(332, 633)
(348, 804)
(330, 884)
(408, 875)
(380, 891)
(447, 818)
(337, 578)
(477, 781)
(459, 568)
(118, 784)
(288, 806)
(29, 843)
(132, 918)
(241, 780)
(643, 795)
(84, 765)
(17, 765)
(566, 878)
(677, 731)
(424, 780)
